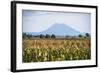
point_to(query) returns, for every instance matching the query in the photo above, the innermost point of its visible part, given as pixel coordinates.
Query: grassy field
(42, 50)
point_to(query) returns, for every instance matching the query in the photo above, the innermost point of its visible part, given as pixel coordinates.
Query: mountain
(59, 30)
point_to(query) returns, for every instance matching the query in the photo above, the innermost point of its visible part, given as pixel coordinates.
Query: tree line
(53, 36)
(39, 36)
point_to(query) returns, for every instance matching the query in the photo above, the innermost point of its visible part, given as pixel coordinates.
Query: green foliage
(42, 55)
(70, 50)
(42, 36)
(24, 35)
(53, 36)
(80, 35)
(87, 35)
(47, 36)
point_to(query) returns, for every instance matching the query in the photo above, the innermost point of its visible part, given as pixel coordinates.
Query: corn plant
(42, 50)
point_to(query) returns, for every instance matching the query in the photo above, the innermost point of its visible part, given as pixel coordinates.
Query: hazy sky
(38, 21)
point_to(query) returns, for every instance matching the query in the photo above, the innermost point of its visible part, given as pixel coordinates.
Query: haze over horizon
(58, 30)
(56, 22)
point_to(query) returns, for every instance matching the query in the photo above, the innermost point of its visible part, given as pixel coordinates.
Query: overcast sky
(38, 21)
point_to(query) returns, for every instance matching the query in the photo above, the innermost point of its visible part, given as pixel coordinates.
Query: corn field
(43, 50)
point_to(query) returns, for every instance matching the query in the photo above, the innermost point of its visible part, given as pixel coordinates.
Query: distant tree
(79, 35)
(67, 36)
(47, 36)
(24, 35)
(53, 36)
(87, 35)
(41, 36)
(29, 36)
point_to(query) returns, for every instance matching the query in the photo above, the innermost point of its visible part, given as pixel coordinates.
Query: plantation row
(55, 50)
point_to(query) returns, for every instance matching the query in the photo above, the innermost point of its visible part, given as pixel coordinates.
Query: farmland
(45, 50)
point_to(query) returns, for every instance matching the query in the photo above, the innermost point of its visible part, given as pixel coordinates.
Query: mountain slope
(60, 30)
